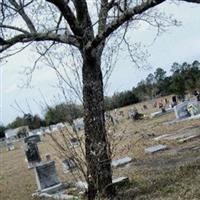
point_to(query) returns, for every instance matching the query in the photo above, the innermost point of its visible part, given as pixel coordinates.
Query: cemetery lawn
(173, 174)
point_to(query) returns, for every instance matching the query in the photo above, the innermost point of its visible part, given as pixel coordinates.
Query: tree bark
(98, 157)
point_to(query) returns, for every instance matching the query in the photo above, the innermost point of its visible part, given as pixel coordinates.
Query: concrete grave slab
(120, 181)
(182, 120)
(162, 137)
(155, 149)
(181, 134)
(184, 149)
(116, 182)
(189, 138)
(58, 196)
(121, 162)
(175, 136)
(160, 113)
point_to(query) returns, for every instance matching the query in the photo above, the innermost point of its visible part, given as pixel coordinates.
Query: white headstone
(181, 110)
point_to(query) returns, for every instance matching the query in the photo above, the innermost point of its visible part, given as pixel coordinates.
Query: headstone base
(52, 189)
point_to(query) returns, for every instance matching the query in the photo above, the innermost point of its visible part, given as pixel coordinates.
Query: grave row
(45, 172)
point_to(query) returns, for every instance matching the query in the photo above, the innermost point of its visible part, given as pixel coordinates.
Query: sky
(177, 44)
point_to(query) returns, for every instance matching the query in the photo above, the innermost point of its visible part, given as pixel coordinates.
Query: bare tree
(69, 22)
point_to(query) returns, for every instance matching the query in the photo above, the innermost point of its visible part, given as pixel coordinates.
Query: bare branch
(20, 10)
(14, 28)
(103, 15)
(192, 1)
(83, 17)
(24, 38)
(66, 11)
(126, 16)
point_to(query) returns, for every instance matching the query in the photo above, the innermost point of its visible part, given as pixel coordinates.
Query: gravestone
(160, 113)
(46, 177)
(31, 150)
(32, 138)
(10, 146)
(155, 149)
(74, 142)
(174, 101)
(189, 138)
(181, 110)
(121, 162)
(68, 165)
(32, 154)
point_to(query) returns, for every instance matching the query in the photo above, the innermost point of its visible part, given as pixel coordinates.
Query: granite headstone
(68, 164)
(46, 176)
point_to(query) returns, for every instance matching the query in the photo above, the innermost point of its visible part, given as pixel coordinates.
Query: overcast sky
(178, 44)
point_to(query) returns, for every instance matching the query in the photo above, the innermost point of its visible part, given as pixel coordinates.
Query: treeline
(184, 78)
(53, 115)
(120, 99)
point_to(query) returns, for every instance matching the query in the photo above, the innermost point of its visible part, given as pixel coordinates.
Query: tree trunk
(97, 146)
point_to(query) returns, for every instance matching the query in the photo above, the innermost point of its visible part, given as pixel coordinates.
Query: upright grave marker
(182, 110)
(47, 178)
(68, 165)
(10, 146)
(31, 150)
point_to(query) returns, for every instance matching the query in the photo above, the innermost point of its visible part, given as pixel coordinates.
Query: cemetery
(143, 148)
(99, 100)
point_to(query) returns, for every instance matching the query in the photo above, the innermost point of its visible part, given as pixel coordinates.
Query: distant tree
(16, 123)
(33, 122)
(63, 113)
(151, 85)
(196, 63)
(192, 77)
(2, 131)
(150, 80)
(141, 91)
(185, 77)
(160, 74)
(175, 67)
(178, 84)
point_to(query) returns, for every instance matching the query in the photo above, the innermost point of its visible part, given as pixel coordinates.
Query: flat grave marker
(121, 162)
(155, 149)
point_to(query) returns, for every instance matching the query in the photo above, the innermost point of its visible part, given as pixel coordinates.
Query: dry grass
(160, 176)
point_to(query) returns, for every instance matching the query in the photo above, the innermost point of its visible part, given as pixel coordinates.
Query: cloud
(12, 88)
